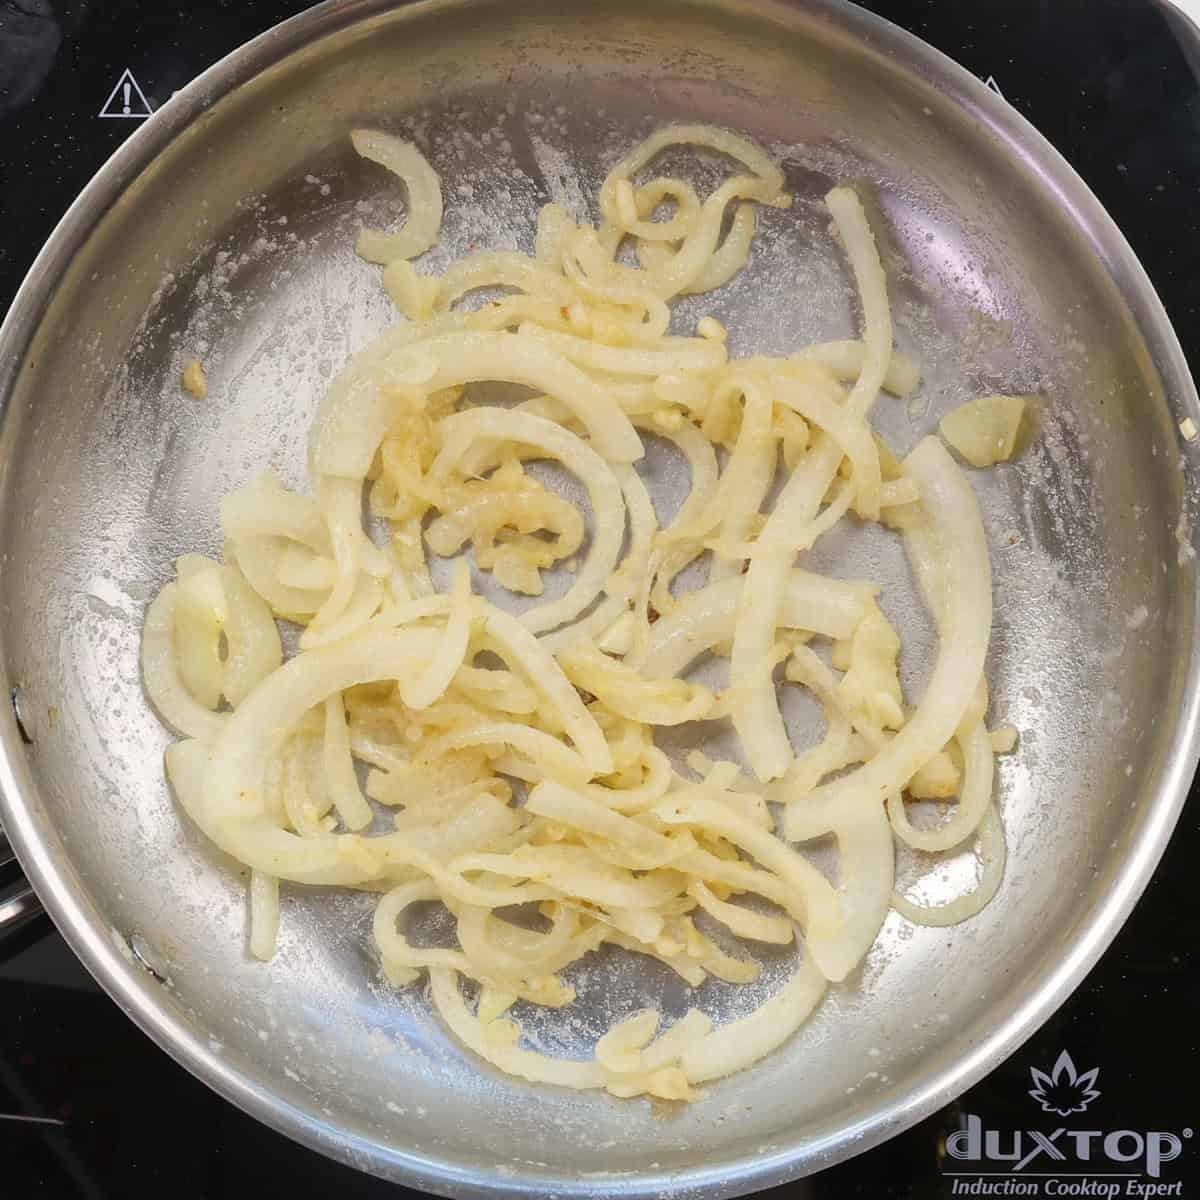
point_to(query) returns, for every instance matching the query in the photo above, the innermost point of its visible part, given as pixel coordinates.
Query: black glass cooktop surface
(90, 1107)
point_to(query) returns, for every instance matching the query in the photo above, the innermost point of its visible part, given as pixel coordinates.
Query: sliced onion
(161, 674)
(357, 412)
(965, 629)
(424, 188)
(707, 617)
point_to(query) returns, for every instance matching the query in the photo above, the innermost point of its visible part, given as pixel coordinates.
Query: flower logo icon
(1064, 1091)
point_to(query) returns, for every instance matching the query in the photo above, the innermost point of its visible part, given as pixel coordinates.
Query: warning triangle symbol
(990, 82)
(126, 100)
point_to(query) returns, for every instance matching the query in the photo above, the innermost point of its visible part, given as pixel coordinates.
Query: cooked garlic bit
(194, 379)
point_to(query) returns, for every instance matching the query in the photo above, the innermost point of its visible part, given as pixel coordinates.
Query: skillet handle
(18, 904)
(18, 901)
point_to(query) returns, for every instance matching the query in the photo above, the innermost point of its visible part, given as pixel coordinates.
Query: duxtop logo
(1064, 1091)
(1065, 1161)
